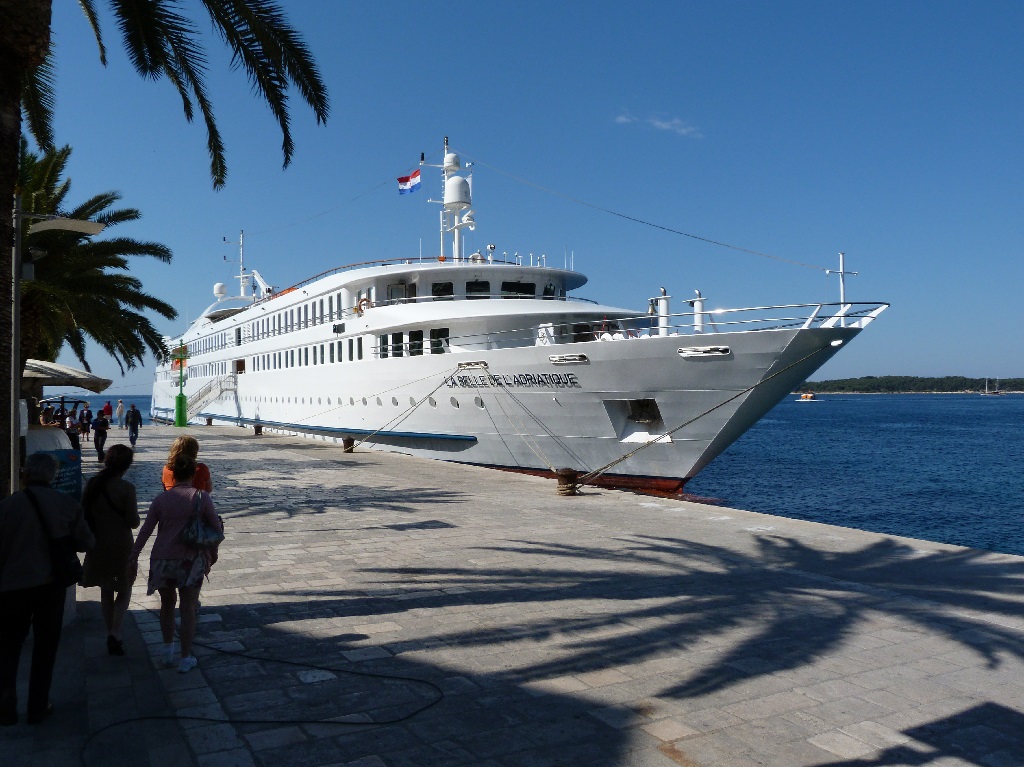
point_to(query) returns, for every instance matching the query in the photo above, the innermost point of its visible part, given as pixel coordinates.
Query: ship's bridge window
(396, 344)
(442, 291)
(382, 347)
(518, 289)
(439, 343)
(550, 291)
(582, 331)
(415, 343)
(476, 289)
(397, 293)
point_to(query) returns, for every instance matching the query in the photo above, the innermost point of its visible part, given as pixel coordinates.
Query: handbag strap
(197, 505)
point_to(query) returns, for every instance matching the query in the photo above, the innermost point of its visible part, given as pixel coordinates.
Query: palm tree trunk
(24, 39)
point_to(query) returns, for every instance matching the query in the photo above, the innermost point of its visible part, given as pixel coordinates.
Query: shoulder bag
(197, 534)
(67, 569)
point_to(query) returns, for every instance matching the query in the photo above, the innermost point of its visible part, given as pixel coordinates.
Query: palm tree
(161, 42)
(78, 289)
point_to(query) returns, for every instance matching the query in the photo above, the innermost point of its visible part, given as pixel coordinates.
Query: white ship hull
(516, 409)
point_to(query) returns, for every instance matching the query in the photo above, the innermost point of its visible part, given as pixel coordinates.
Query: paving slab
(379, 610)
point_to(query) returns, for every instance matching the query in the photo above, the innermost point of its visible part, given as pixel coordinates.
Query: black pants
(99, 440)
(42, 608)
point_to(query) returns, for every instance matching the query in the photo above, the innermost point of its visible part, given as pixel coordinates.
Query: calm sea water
(942, 467)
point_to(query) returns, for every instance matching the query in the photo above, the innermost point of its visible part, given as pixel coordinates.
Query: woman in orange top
(188, 447)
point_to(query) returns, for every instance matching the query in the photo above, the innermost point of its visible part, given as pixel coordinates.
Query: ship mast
(456, 211)
(243, 276)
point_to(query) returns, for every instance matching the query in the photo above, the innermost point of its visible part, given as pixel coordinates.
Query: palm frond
(82, 289)
(272, 54)
(38, 97)
(89, 9)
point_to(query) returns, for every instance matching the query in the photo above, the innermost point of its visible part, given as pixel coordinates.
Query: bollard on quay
(348, 445)
(567, 481)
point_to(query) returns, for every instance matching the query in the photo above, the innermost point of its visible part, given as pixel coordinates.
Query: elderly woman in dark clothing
(112, 511)
(29, 596)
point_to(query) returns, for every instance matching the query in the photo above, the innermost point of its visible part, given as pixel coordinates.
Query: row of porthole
(478, 401)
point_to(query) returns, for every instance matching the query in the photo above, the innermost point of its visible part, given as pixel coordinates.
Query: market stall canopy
(39, 374)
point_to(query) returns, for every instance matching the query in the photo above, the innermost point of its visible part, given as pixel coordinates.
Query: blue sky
(887, 130)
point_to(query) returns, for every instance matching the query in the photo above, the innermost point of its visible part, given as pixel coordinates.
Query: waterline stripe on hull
(169, 416)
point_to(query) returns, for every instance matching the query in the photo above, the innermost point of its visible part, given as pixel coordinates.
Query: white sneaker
(187, 664)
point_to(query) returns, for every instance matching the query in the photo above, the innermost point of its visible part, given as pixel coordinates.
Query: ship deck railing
(433, 261)
(705, 324)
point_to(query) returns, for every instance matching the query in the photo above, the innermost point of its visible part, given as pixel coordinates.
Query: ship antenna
(243, 276)
(842, 286)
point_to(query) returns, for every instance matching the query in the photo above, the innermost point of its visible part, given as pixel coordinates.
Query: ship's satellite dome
(220, 290)
(456, 194)
(452, 162)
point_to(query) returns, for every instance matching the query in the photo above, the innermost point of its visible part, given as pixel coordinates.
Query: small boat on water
(807, 396)
(994, 392)
(487, 359)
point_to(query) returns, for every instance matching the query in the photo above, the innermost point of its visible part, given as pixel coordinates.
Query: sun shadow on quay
(986, 734)
(395, 707)
(735, 617)
(255, 488)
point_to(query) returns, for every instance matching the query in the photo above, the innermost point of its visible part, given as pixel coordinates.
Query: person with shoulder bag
(40, 531)
(188, 533)
(112, 511)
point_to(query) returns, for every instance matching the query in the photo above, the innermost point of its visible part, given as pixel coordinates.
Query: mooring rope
(591, 476)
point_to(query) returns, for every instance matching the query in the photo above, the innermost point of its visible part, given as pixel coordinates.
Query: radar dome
(452, 162)
(456, 194)
(219, 290)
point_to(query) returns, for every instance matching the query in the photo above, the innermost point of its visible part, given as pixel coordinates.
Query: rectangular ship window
(415, 343)
(476, 289)
(443, 291)
(518, 289)
(439, 342)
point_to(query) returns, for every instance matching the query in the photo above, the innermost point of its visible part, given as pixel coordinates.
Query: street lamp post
(181, 401)
(47, 221)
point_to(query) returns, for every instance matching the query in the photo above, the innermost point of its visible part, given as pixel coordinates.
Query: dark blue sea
(942, 467)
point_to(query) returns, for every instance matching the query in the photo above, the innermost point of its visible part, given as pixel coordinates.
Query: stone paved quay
(376, 610)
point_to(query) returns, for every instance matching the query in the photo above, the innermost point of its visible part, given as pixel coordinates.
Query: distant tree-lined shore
(910, 384)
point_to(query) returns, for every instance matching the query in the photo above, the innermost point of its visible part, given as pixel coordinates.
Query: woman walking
(189, 447)
(112, 511)
(176, 570)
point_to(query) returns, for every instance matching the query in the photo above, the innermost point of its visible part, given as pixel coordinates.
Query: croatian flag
(409, 184)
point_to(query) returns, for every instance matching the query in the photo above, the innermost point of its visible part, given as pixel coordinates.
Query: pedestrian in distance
(46, 417)
(85, 420)
(176, 570)
(134, 420)
(108, 410)
(71, 427)
(189, 447)
(30, 595)
(112, 512)
(100, 426)
(119, 412)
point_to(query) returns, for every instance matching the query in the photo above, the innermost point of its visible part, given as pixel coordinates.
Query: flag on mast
(409, 184)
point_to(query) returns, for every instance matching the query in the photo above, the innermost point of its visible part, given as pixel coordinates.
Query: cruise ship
(492, 360)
